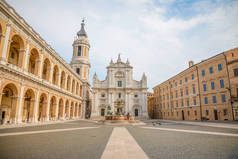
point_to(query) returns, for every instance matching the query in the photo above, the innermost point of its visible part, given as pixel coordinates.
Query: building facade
(205, 91)
(151, 105)
(119, 93)
(36, 84)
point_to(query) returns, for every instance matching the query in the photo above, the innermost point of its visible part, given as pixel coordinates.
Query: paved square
(153, 139)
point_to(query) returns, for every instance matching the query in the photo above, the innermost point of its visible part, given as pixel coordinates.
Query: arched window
(55, 75)
(46, 70)
(68, 83)
(16, 51)
(33, 63)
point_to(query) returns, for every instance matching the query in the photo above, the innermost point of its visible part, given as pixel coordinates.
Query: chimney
(190, 63)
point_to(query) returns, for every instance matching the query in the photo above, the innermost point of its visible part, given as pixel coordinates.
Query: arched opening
(1, 35)
(46, 70)
(77, 88)
(81, 91)
(52, 113)
(42, 107)
(28, 106)
(34, 62)
(55, 75)
(76, 110)
(68, 83)
(136, 112)
(61, 109)
(79, 110)
(16, 51)
(72, 110)
(62, 80)
(102, 112)
(8, 103)
(67, 109)
(73, 86)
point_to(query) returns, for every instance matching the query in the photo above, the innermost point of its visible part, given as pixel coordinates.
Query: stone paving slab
(122, 145)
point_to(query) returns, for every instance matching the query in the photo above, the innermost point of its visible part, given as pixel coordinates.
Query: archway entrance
(102, 112)
(42, 107)
(67, 109)
(28, 106)
(52, 113)
(183, 115)
(136, 112)
(8, 103)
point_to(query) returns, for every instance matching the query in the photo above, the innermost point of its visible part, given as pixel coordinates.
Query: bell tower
(80, 60)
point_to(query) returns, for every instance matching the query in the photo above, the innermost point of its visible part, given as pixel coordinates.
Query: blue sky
(158, 37)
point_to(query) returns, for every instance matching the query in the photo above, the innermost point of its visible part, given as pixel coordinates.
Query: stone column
(63, 116)
(57, 110)
(48, 109)
(4, 52)
(19, 117)
(59, 78)
(41, 65)
(27, 55)
(36, 105)
(51, 73)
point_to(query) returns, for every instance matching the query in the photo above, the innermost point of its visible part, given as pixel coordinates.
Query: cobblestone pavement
(154, 138)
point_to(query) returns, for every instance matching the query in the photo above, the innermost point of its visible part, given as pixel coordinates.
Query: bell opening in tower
(79, 50)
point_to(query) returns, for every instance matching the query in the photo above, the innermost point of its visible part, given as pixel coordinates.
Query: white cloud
(156, 41)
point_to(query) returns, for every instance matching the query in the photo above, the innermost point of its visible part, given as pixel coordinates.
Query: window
(232, 54)
(182, 103)
(172, 105)
(194, 90)
(212, 85)
(214, 99)
(205, 100)
(192, 76)
(225, 112)
(168, 105)
(194, 102)
(222, 83)
(171, 86)
(195, 113)
(207, 112)
(176, 94)
(181, 92)
(187, 102)
(176, 103)
(78, 71)
(203, 72)
(102, 112)
(102, 95)
(119, 95)
(223, 98)
(204, 87)
(186, 91)
(175, 84)
(119, 83)
(186, 79)
(181, 82)
(135, 95)
(236, 72)
(79, 50)
(211, 70)
(219, 66)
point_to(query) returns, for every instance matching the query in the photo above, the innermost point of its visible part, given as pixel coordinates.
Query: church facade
(119, 94)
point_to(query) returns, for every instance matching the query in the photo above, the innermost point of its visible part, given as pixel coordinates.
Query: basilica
(119, 94)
